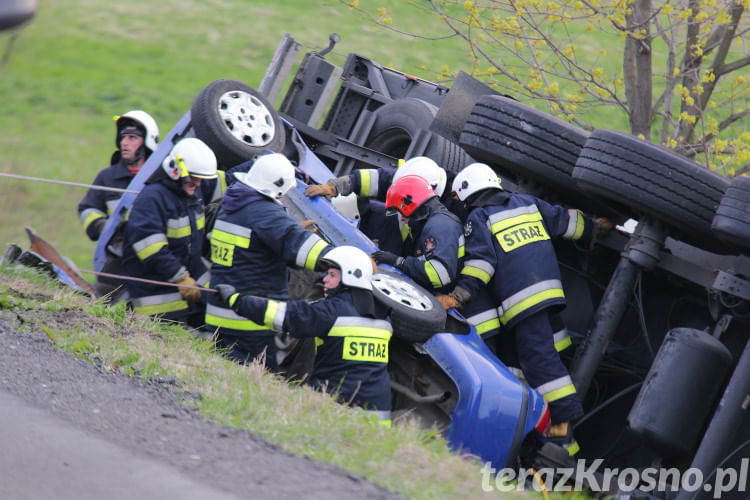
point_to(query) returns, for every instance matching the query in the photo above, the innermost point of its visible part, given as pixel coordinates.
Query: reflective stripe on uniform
(159, 304)
(562, 340)
(203, 279)
(485, 321)
(572, 447)
(221, 186)
(509, 218)
(90, 215)
(364, 339)
(405, 230)
(528, 298)
(479, 269)
(437, 273)
(355, 326)
(227, 318)
(461, 246)
(231, 233)
(275, 313)
(200, 221)
(383, 416)
(111, 205)
(308, 253)
(178, 228)
(576, 225)
(557, 389)
(368, 182)
(149, 245)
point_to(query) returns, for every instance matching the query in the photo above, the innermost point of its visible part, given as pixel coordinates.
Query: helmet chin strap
(140, 153)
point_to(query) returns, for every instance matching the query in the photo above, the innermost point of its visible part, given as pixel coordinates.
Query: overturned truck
(659, 310)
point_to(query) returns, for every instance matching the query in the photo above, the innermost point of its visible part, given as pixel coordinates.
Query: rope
(67, 183)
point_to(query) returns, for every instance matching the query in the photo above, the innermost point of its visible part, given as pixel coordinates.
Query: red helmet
(407, 194)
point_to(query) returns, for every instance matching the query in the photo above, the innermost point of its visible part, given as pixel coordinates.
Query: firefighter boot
(562, 434)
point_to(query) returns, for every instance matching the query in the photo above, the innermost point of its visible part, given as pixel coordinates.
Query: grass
(406, 459)
(80, 62)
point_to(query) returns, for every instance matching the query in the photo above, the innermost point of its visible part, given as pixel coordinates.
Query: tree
(678, 77)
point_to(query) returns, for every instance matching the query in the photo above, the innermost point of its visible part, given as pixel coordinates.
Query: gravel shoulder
(142, 420)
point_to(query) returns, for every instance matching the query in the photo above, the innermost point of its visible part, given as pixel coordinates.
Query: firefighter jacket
(252, 242)
(163, 242)
(438, 247)
(351, 357)
(96, 206)
(508, 247)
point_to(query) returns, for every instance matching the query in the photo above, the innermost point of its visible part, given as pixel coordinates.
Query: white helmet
(424, 167)
(271, 175)
(356, 266)
(151, 131)
(346, 205)
(190, 157)
(473, 178)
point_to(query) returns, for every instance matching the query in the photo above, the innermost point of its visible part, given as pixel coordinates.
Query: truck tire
(651, 180)
(415, 313)
(731, 222)
(520, 142)
(236, 122)
(397, 124)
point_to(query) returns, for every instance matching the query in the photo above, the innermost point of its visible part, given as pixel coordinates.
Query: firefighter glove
(189, 294)
(605, 224)
(228, 294)
(327, 190)
(309, 224)
(386, 257)
(447, 301)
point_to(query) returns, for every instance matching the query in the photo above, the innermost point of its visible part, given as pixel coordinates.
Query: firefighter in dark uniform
(438, 235)
(508, 248)
(351, 329)
(252, 242)
(374, 183)
(137, 136)
(164, 236)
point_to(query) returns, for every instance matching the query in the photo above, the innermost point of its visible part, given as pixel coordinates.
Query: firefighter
(136, 137)
(438, 238)
(164, 234)
(508, 247)
(370, 186)
(252, 242)
(351, 330)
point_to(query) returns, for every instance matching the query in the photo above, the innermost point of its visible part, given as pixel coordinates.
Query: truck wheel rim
(246, 118)
(402, 292)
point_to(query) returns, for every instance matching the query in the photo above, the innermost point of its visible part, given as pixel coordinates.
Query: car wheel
(651, 180)
(523, 143)
(397, 124)
(731, 223)
(236, 122)
(415, 313)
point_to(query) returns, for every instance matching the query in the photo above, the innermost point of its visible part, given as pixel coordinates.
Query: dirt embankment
(144, 420)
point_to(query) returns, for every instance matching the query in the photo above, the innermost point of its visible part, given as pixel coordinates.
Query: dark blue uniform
(438, 247)
(508, 248)
(163, 241)
(96, 206)
(252, 242)
(352, 350)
